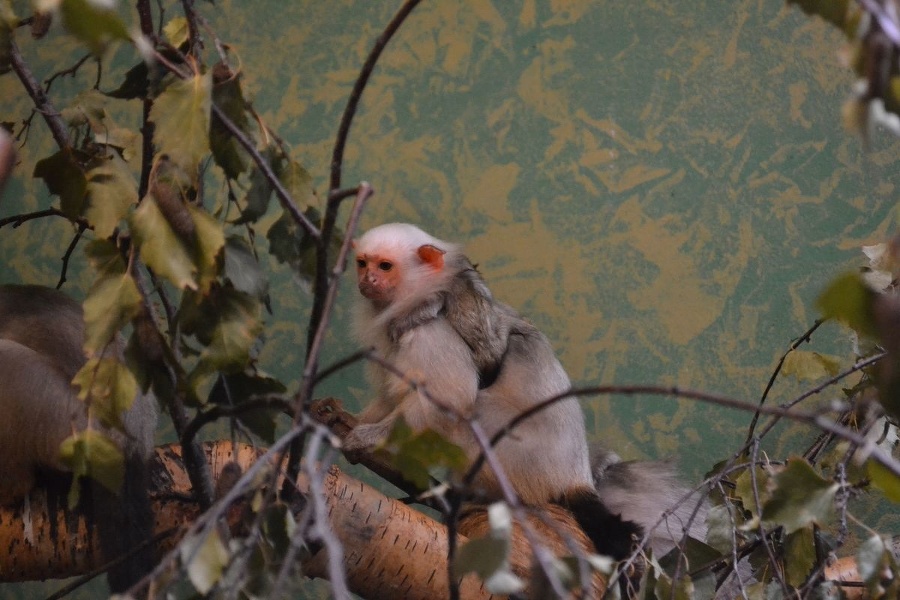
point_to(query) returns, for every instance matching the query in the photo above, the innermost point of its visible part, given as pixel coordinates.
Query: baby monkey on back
(428, 313)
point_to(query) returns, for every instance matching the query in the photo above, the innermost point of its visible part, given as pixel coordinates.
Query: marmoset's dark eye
(385, 265)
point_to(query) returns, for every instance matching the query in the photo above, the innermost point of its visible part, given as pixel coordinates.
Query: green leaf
(290, 244)
(884, 479)
(799, 555)
(563, 569)
(695, 552)
(800, 497)
(488, 556)
(242, 268)
(208, 246)
(416, 454)
(849, 300)
(90, 453)
(721, 527)
(135, 85)
(665, 587)
(205, 556)
(877, 567)
(233, 388)
(227, 323)
(297, 181)
(111, 192)
(87, 108)
(238, 328)
(279, 526)
(181, 116)
(744, 489)
(810, 366)
(92, 23)
(259, 194)
(229, 97)
(870, 558)
(109, 387)
(112, 302)
(64, 178)
(293, 177)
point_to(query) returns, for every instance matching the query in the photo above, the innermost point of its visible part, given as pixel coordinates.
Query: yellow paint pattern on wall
(677, 289)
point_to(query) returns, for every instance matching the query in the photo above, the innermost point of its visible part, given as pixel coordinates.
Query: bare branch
(805, 338)
(17, 220)
(337, 156)
(284, 197)
(325, 300)
(68, 255)
(363, 193)
(51, 116)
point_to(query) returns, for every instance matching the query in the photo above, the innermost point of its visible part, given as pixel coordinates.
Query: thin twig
(332, 206)
(333, 546)
(304, 395)
(70, 71)
(754, 487)
(17, 220)
(540, 552)
(41, 102)
(811, 418)
(284, 196)
(196, 42)
(381, 43)
(209, 518)
(220, 411)
(68, 255)
(805, 338)
(364, 192)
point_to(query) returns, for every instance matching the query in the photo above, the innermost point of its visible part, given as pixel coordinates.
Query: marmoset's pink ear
(431, 256)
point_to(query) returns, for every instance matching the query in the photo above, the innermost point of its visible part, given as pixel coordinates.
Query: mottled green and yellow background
(663, 187)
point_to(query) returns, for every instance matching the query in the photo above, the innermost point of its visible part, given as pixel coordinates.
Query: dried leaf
(181, 114)
(810, 366)
(92, 23)
(884, 479)
(110, 388)
(111, 192)
(112, 303)
(849, 300)
(176, 31)
(799, 555)
(65, 178)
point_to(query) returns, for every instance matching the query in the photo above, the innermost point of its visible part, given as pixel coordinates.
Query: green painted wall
(663, 187)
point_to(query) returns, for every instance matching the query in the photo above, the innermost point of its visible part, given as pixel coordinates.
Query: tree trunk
(391, 550)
